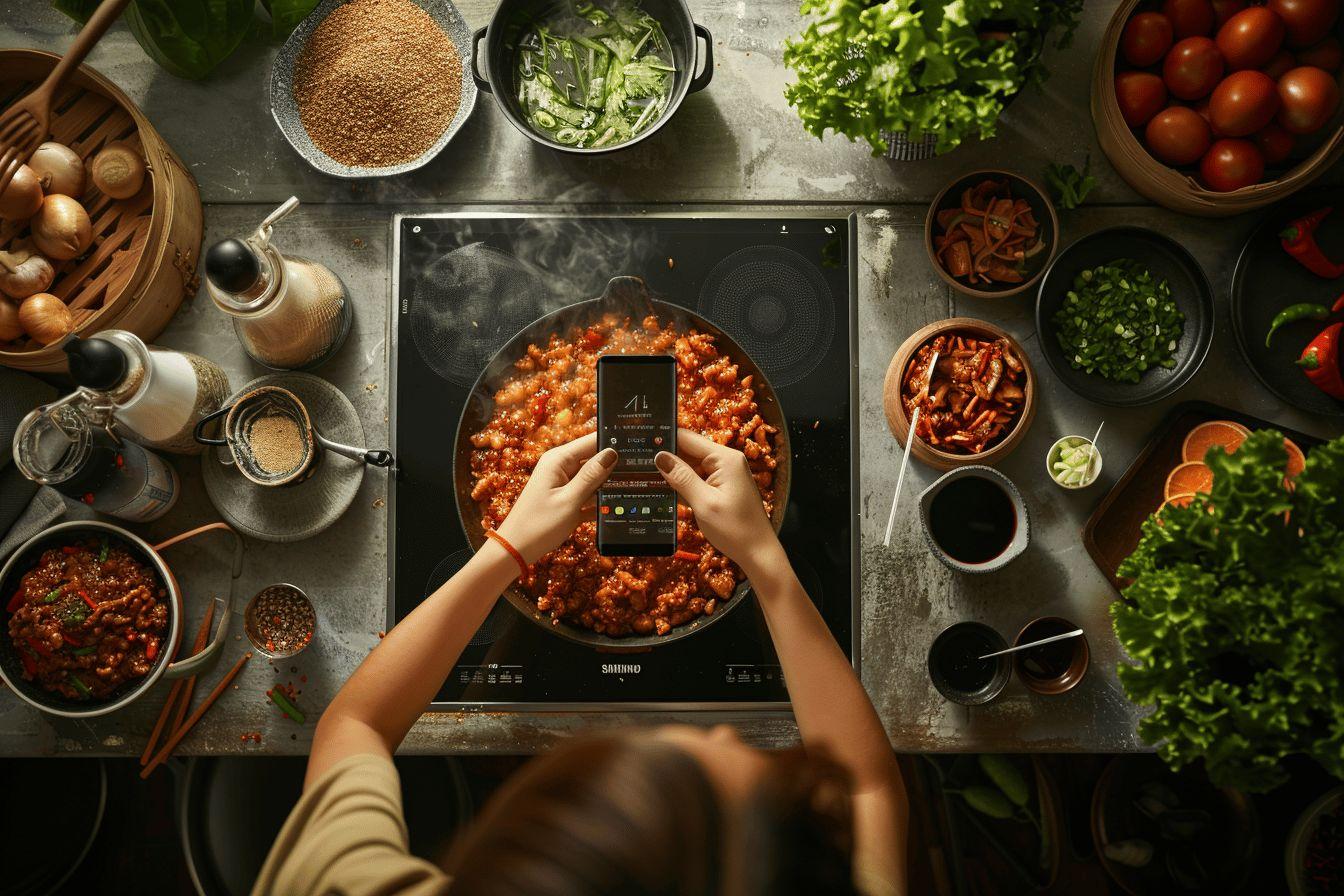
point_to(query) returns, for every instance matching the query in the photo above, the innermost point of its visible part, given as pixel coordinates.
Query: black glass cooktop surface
(782, 287)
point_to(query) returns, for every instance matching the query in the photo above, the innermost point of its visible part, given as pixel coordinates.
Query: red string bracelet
(522, 564)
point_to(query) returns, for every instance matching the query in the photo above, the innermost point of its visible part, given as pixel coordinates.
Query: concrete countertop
(735, 145)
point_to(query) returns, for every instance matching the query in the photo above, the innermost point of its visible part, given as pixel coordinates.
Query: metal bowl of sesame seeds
(374, 88)
(280, 621)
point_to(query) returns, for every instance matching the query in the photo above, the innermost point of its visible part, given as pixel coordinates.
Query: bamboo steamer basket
(1177, 190)
(142, 262)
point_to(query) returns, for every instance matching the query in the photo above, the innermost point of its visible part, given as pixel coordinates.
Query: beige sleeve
(347, 837)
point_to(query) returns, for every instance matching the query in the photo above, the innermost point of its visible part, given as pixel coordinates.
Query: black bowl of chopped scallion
(1125, 316)
(591, 76)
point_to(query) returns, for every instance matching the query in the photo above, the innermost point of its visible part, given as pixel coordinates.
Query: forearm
(831, 707)
(385, 696)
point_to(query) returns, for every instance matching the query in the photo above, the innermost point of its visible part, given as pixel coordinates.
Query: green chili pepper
(1294, 313)
(285, 705)
(79, 685)
(84, 651)
(102, 554)
(53, 594)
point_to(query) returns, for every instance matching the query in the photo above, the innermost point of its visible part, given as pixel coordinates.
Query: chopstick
(189, 684)
(199, 644)
(195, 717)
(1050, 640)
(905, 458)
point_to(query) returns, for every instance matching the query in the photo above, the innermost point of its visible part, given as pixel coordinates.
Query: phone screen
(636, 415)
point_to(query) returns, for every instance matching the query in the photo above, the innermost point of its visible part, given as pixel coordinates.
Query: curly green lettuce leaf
(1235, 618)
(917, 67)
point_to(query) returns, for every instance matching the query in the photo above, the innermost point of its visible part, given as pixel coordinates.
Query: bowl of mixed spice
(373, 88)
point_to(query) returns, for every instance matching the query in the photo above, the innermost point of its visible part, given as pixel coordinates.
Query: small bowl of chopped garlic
(1073, 462)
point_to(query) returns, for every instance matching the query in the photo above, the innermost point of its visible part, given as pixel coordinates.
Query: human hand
(726, 502)
(555, 498)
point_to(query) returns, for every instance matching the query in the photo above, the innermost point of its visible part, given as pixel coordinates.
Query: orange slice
(1223, 433)
(1181, 500)
(1297, 461)
(1188, 478)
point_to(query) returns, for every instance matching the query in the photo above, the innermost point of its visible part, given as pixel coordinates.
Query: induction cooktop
(783, 286)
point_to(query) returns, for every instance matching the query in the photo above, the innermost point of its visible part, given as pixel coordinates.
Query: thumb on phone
(682, 478)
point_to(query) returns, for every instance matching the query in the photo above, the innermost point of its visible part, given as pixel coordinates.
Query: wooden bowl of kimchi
(958, 425)
(991, 233)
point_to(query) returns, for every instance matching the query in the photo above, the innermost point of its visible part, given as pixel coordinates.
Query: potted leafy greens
(917, 77)
(1235, 618)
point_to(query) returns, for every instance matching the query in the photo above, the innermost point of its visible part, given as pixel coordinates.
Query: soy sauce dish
(958, 672)
(592, 76)
(974, 519)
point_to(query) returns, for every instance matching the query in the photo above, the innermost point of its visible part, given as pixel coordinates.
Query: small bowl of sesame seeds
(374, 88)
(280, 621)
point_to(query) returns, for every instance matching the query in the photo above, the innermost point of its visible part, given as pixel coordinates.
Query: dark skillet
(1266, 281)
(627, 296)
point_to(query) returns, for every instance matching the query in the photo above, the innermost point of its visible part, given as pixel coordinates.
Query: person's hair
(629, 815)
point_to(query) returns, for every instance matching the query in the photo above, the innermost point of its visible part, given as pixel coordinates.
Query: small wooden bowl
(1043, 627)
(1022, 188)
(895, 410)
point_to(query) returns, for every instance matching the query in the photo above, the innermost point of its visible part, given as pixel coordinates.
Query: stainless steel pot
(511, 17)
(27, 556)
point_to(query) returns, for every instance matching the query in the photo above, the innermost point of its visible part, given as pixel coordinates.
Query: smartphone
(636, 415)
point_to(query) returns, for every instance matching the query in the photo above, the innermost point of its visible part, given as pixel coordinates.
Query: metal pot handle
(198, 433)
(193, 665)
(377, 457)
(481, 81)
(701, 81)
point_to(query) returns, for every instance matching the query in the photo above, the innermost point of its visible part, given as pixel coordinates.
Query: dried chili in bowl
(989, 237)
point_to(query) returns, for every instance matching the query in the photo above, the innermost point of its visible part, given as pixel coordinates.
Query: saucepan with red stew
(93, 617)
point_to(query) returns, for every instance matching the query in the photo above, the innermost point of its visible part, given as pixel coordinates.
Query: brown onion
(61, 228)
(10, 328)
(46, 318)
(118, 171)
(23, 197)
(23, 272)
(59, 169)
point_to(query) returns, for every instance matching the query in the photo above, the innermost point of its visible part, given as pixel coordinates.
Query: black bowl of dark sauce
(974, 519)
(957, 670)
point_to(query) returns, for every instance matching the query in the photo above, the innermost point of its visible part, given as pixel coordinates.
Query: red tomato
(1250, 38)
(1202, 107)
(1230, 165)
(1189, 18)
(1306, 21)
(1177, 136)
(1274, 142)
(1243, 103)
(1282, 62)
(1328, 54)
(1141, 95)
(1226, 9)
(1309, 96)
(1146, 39)
(1192, 68)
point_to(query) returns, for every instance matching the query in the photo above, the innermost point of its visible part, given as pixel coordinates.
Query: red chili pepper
(15, 602)
(72, 640)
(152, 648)
(88, 498)
(71, 549)
(1299, 240)
(29, 663)
(84, 596)
(1339, 305)
(1321, 362)
(686, 555)
(38, 646)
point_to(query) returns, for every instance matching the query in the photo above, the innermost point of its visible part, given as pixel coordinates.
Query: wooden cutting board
(1112, 532)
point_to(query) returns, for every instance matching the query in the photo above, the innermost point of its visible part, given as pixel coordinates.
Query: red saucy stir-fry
(972, 399)
(989, 237)
(550, 399)
(87, 619)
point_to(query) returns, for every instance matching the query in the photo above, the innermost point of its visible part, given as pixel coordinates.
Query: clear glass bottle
(58, 445)
(154, 393)
(289, 313)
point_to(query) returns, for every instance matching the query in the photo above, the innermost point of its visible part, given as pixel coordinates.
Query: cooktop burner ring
(444, 570)
(777, 305)
(467, 304)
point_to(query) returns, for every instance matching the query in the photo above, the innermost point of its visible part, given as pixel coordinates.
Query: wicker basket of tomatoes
(1217, 107)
